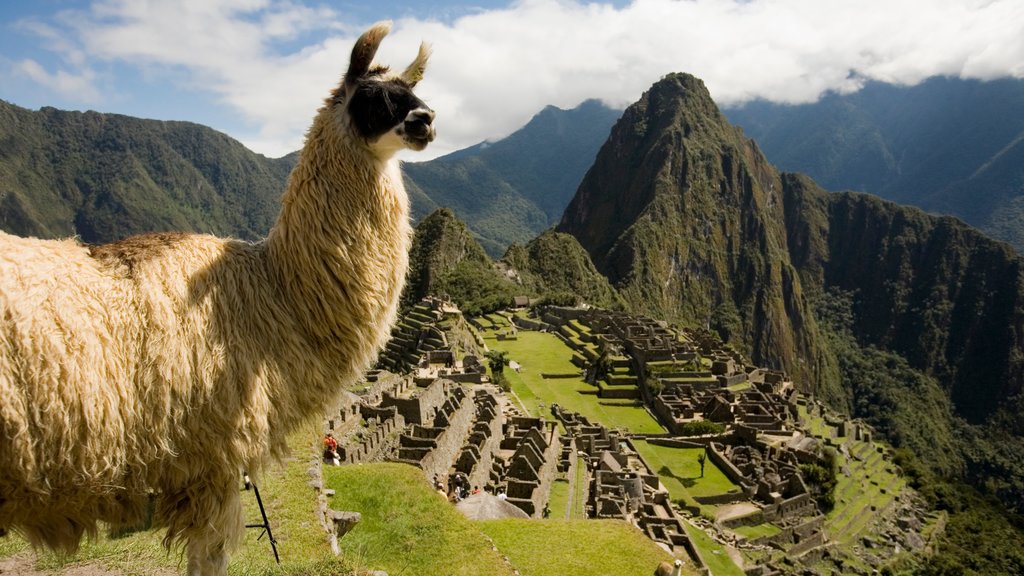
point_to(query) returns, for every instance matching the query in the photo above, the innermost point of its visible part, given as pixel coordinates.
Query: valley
(892, 336)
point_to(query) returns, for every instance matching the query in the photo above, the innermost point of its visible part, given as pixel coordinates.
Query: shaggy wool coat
(162, 365)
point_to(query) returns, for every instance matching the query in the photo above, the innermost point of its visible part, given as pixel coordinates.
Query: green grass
(558, 498)
(815, 424)
(406, 527)
(579, 496)
(540, 352)
(577, 547)
(679, 471)
(758, 531)
(712, 552)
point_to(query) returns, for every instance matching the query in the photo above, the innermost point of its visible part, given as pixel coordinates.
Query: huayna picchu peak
(692, 224)
(684, 215)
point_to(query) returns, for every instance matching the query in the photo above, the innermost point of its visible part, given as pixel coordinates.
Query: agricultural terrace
(679, 470)
(542, 353)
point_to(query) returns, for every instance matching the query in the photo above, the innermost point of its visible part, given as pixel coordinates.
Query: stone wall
(418, 406)
(477, 457)
(435, 448)
(379, 442)
(534, 464)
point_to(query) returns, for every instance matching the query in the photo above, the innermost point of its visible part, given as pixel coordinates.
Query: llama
(666, 569)
(161, 366)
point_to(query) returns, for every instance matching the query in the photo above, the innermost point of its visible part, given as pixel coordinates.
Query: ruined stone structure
(414, 335)
(435, 446)
(622, 485)
(479, 459)
(531, 467)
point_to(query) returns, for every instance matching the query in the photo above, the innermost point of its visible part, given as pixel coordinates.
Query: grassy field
(406, 527)
(679, 471)
(538, 353)
(577, 547)
(712, 552)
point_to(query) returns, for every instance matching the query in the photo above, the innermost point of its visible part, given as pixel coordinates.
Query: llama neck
(339, 250)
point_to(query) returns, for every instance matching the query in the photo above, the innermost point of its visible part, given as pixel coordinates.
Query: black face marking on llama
(380, 106)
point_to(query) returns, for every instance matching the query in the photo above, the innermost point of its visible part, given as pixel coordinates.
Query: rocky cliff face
(688, 219)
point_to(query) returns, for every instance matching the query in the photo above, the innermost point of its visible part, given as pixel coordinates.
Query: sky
(259, 69)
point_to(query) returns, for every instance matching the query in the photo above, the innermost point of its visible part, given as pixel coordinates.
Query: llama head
(380, 106)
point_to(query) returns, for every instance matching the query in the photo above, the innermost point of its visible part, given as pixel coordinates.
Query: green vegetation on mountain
(106, 176)
(511, 190)
(910, 321)
(446, 259)
(946, 145)
(555, 265)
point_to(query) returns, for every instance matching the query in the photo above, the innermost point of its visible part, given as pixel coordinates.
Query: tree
(496, 360)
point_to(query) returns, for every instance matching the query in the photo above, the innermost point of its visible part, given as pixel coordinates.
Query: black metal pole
(266, 522)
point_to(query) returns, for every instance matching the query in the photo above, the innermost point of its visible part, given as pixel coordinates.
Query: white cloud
(274, 62)
(78, 86)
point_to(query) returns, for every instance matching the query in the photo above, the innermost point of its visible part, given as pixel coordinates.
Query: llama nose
(421, 115)
(418, 123)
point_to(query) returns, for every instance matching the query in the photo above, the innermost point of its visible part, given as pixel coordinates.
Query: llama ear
(414, 73)
(365, 49)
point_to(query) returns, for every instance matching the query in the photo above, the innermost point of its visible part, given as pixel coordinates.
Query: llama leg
(204, 562)
(217, 528)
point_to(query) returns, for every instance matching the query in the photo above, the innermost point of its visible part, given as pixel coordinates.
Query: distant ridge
(107, 176)
(513, 189)
(945, 145)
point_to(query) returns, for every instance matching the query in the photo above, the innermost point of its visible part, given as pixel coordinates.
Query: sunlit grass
(542, 353)
(577, 547)
(406, 527)
(679, 471)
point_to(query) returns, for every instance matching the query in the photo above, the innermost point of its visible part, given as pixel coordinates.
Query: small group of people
(331, 455)
(458, 487)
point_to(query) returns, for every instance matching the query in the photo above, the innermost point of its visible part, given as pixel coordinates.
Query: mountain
(556, 265)
(945, 145)
(912, 321)
(513, 189)
(687, 217)
(445, 259)
(683, 214)
(106, 176)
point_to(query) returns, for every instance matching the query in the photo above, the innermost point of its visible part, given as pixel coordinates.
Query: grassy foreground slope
(578, 547)
(407, 528)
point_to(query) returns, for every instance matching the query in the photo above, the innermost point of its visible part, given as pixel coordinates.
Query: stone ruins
(432, 406)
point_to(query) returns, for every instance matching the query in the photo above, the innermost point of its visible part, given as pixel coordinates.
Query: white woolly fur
(163, 365)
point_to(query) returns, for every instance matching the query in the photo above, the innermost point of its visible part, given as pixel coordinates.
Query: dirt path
(733, 510)
(24, 564)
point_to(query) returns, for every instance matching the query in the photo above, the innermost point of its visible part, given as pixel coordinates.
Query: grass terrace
(576, 547)
(679, 471)
(713, 553)
(542, 353)
(407, 527)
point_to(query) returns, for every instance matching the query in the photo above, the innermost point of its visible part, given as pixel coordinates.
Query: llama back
(114, 361)
(64, 373)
